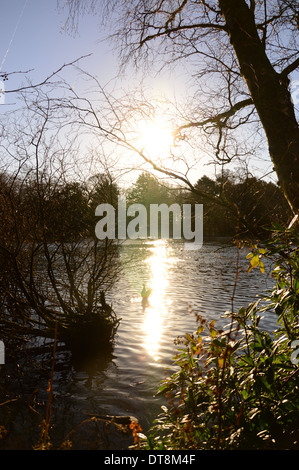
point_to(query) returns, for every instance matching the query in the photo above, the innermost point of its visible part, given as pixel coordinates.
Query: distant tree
(102, 189)
(245, 206)
(217, 211)
(258, 205)
(64, 205)
(148, 190)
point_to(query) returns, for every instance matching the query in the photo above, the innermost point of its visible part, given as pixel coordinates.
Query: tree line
(60, 210)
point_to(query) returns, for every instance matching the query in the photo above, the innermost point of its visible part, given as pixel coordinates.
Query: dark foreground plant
(239, 388)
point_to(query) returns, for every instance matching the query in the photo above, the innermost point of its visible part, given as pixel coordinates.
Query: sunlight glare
(155, 138)
(157, 308)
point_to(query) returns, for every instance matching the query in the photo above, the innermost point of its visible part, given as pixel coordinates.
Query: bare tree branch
(290, 68)
(47, 79)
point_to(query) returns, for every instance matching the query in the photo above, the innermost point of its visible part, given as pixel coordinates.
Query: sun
(155, 138)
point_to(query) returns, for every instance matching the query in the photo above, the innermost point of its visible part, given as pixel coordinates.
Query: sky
(32, 38)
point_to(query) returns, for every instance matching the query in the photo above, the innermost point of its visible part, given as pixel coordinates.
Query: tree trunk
(270, 94)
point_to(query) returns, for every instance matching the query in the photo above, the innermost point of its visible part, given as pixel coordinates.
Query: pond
(125, 382)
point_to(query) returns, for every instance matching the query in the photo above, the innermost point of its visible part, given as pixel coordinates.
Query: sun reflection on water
(155, 310)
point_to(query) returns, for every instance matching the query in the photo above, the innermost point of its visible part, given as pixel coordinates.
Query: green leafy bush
(239, 388)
